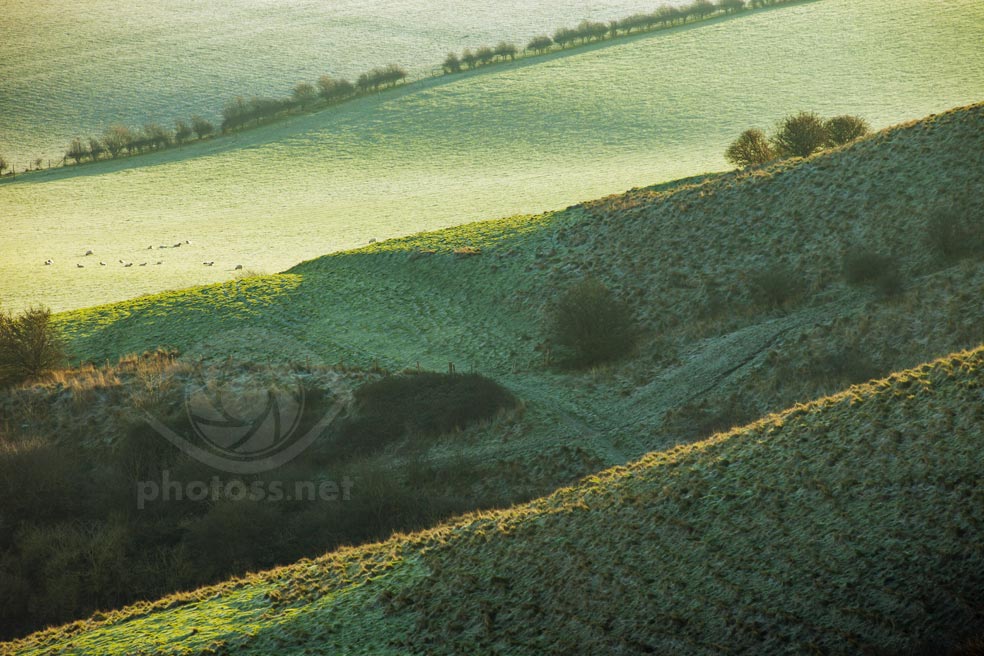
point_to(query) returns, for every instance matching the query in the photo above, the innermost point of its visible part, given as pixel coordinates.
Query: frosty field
(517, 139)
(69, 68)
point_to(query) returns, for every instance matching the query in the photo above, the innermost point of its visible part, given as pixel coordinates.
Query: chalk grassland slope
(521, 138)
(681, 254)
(850, 525)
(175, 59)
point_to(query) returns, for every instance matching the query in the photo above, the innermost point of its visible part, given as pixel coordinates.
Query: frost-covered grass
(516, 139)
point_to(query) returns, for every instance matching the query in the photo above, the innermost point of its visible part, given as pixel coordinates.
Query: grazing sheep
(49, 262)
(80, 265)
(160, 261)
(150, 248)
(178, 245)
(88, 252)
(239, 267)
(372, 241)
(187, 242)
(102, 264)
(162, 246)
(143, 264)
(210, 263)
(122, 261)
(128, 264)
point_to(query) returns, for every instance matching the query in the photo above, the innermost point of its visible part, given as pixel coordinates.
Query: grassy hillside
(683, 255)
(850, 525)
(448, 151)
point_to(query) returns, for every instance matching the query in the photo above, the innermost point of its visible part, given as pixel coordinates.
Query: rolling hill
(452, 150)
(850, 525)
(684, 255)
(712, 354)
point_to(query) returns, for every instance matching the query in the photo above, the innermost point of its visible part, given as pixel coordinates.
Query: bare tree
(468, 58)
(116, 139)
(157, 137)
(451, 63)
(304, 94)
(540, 43)
(334, 90)
(77, 150)
(504, 50)
(800, 135)
(201, 126)
(731, 6)
(182, 131)
(485, 54)
(95, 148)
(752, 148)
(845, 129)
(4, 165)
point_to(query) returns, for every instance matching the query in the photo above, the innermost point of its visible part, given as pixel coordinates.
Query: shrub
(202, 127)
(864, 266)
(752, 148)
(845, 129)
(590, 325)
(775, 286)
(953, 233)
(426, 403)
(540, 43)
(800, 135)
(29, 345)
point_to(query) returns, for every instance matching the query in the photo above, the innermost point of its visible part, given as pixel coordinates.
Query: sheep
(80, 265)
(150, 248)
(239, 267)
(128, 264)
(160, 261)
(162, 246)
(122, 261)
(209, 263)
(102, 264)
(178, 245)
(49, 262)
(88, 252)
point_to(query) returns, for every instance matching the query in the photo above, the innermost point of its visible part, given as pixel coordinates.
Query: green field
(445, 152)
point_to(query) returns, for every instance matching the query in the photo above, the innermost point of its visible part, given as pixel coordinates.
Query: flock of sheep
(125, 263)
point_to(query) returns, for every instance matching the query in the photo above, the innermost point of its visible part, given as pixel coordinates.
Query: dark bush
(955, 233)
(800, 135)
(752, 148)
(589, 325)
(842, 367)
(29, 345)
(863, 266)
(425, 403)
(776, 286)
(845, 129)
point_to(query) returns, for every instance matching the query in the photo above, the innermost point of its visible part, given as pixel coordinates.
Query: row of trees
(589, 31)
(241, 112)
(799, 135)
(120, 140)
